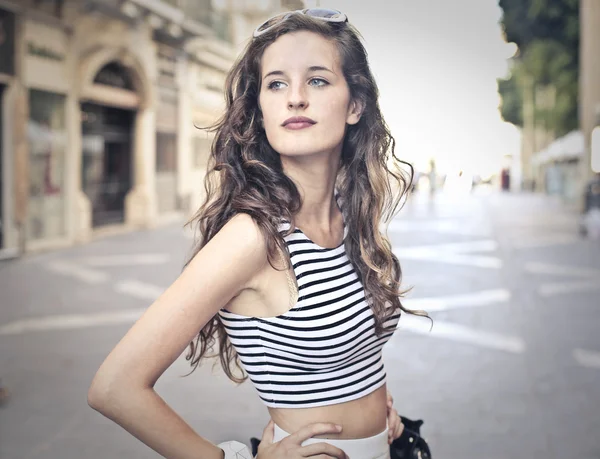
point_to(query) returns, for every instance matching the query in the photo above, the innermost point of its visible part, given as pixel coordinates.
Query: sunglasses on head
(322, 14)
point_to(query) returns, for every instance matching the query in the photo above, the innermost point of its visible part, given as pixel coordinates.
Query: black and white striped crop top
(324, 349)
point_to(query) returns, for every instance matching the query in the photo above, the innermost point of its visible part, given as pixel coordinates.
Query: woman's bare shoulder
(220, 270)
(241, 237)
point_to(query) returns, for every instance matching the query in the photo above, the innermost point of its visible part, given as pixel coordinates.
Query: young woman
(292, 276)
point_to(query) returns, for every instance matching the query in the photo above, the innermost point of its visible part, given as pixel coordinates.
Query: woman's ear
(354, 112)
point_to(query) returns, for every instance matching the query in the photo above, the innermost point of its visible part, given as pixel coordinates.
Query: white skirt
(375, 447)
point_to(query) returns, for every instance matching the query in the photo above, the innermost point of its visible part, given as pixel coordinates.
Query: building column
(184, 135)
(140, 202)
(21, 162)
(589, 81)
(528, 137)
(82, 220)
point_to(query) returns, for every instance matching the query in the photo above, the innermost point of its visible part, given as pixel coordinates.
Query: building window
(7, 42)
(52, 7)
(166, 152)
(290, 5)
(204, 12)
(47, 137)
(200, 151)
(116, 75)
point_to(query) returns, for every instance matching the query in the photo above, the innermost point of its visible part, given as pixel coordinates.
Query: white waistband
(375, 447)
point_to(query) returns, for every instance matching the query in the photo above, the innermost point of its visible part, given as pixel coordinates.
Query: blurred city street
(105, 142)
(511, 368)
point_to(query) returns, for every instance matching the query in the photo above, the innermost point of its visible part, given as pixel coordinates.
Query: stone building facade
(589, 108)
(99, 102)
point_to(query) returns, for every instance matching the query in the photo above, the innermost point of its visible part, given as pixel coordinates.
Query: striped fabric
(323, 350)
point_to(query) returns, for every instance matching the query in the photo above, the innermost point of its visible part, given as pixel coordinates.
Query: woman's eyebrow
(274, 72)
(317, 68)
(313, 68)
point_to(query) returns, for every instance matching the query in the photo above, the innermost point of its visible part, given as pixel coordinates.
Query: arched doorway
(107, 128)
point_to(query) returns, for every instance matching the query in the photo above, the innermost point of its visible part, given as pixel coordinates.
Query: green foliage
(547, 35)
(511, 106)
(527, 20)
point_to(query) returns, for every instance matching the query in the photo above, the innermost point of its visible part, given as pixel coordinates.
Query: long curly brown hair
(245, 174)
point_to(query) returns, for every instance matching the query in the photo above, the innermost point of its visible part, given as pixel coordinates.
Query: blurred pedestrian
(3, 394)
(432, 177)
(303, 145)
(590, 220)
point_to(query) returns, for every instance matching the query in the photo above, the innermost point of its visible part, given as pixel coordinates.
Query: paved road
(511, 368)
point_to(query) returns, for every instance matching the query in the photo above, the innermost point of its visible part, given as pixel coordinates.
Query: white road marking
(139, 289)
(70, 321)
(447, 226)
(478, 261)
(125, 260)
(462, 334)
(484, 245)
(556, 288)
(560, 270)
(589, 278)
(589, 359)
(89, 276)
(455, 253)
(544, 241)
(474, 299)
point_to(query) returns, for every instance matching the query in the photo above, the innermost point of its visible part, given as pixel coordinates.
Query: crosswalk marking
(560, 270)
(461, 334)
(472, 299)
(544, 241)
(550, 289)
(453, 254)
(446, 226)
(125, 260)
(66, 268)
(587, 279)
(459, 253)
(141, 290)
(589, 359)
(70, 321)
(483, 245)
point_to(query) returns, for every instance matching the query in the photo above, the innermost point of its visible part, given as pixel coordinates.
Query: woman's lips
(298, 125)
(295, 123)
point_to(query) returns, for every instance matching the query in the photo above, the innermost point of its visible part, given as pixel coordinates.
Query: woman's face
(301, 76)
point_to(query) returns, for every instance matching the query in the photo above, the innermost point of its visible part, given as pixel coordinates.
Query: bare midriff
(360, 418)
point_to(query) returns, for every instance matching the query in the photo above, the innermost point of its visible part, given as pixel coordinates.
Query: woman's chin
(298, 152)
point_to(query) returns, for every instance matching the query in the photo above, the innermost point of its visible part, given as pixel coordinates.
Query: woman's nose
(292, 104)
(297, 99)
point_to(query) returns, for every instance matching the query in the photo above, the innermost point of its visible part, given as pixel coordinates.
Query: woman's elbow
(103, 393)
(98, 395)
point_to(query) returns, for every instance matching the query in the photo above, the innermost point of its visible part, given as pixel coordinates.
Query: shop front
(47, 133)
(46, 80)
(107, 145)
(106, 161)
(7, 71)
(116, 117)
(166, 131)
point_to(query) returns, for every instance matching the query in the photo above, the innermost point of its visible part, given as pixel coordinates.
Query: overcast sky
(436, 63)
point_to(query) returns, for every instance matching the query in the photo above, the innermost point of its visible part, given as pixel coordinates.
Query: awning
(571, 146)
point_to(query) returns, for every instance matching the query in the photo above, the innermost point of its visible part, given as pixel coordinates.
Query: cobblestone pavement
(511, 368)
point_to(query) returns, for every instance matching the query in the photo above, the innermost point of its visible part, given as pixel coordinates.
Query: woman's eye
(274, 85)
(319, 82)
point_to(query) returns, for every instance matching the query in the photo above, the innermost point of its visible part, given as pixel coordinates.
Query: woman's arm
(123, 388)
